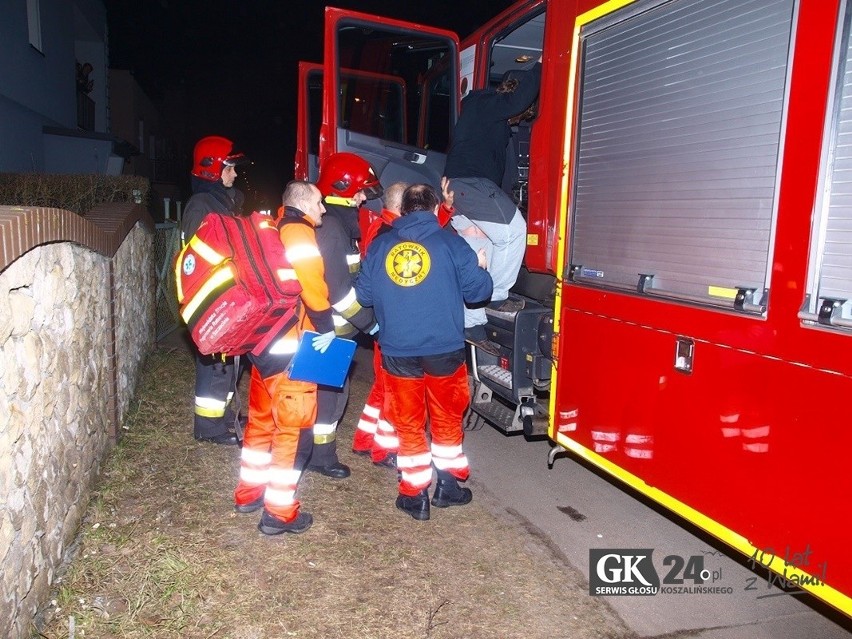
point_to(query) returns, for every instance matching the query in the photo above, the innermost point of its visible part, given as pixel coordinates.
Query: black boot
(449, 493)
(325, 462)
(417, 506)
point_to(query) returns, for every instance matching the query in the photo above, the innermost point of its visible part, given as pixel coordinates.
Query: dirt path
(162, 554)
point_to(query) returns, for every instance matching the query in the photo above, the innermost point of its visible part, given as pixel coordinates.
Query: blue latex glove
(322, 342)
(374, 330)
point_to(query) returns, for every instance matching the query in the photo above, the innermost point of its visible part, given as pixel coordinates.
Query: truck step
(501, 416)
(496, 374)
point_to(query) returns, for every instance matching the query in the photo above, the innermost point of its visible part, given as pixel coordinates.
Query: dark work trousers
(331, 404)
(215, 381)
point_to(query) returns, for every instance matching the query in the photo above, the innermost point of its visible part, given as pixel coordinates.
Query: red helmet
(211, 155)
(344, 174)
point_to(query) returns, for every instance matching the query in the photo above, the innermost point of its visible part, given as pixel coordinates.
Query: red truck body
(689, 256)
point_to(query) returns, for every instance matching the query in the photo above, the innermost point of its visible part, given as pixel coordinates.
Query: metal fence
(166, 247)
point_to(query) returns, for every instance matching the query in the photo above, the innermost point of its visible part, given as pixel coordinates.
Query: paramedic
(418, 277)
(278, 437)
(485, 215)
(375, 435)
(213, 174)
(346, 181)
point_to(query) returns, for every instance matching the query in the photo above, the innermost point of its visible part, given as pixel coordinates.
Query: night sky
(234, 63)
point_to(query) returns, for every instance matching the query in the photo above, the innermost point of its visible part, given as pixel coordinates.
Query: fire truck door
(397, 109)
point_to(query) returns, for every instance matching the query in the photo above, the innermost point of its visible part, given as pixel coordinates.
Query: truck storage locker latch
(646, 281)
(829, 309)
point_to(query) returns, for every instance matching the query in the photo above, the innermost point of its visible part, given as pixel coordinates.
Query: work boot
(250, 507)
(449, 493)
(270, 525)
(507, 305)
(417, 506)
(228, 438)
(388, 461)
(335, 470)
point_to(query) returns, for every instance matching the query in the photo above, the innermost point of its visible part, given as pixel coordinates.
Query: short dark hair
(419, 197)
(295, 192)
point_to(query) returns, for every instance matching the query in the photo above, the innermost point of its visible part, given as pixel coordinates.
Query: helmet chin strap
(340, 201)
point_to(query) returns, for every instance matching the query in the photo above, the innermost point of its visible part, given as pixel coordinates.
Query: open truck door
(390, 94)
(389, 88)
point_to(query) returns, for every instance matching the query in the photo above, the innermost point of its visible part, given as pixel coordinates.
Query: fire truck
(687, 186)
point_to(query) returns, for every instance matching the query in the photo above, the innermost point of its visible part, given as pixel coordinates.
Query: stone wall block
(66, 382)
(11, 372)
(22, 307)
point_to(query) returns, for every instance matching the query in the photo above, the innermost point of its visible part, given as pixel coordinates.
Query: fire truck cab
(688, 277)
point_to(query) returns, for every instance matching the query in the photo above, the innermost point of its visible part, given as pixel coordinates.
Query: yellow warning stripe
(791, 574)
(219, 278)
(205, 251)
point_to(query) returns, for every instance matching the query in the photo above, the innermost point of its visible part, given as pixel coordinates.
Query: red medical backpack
(233, 287)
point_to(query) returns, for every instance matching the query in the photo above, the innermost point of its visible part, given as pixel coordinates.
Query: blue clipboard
(329, 368)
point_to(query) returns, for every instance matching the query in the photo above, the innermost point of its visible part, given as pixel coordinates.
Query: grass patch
(162, 554)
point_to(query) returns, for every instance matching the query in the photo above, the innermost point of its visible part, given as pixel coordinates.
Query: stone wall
(75, 326)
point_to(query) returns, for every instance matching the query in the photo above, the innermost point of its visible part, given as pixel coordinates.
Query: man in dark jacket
(417, 277)
(486, 217)
(213, 174)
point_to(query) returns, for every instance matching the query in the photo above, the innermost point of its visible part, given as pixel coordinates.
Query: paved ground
(575, 509)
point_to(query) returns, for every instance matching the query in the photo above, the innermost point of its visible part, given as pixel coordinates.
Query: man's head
(392, 198)
(305, 197)
(214, 159)
(419, 197)
(508, 84)
(348, 176)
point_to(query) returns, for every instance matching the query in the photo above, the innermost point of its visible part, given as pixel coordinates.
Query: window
(393, 85)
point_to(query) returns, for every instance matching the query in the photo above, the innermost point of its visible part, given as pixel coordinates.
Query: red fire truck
(687, 185)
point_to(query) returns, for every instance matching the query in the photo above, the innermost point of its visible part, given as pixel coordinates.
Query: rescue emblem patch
(189, 265)
(408, 263)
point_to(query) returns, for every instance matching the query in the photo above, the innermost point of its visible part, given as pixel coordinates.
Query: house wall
(38, 88)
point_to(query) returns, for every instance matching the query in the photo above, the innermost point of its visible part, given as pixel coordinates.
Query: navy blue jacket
(482, 132)
(418, 276)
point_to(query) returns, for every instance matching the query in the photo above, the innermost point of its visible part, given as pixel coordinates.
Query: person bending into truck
(213, 174)
(485, 215)
(417, 277)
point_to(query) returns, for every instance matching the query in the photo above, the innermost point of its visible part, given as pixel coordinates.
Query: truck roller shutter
(829, 300)
(676, 161)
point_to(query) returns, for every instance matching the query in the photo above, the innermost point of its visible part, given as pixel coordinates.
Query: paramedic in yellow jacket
(278, 437)
(346, 181)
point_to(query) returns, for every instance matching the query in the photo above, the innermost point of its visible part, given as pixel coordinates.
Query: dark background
(230, 68)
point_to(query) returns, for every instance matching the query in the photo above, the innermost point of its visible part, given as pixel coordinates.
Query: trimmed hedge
(76, 193)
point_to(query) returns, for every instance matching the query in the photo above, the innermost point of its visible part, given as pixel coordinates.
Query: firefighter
(346, 181)
(213, 174)
(418, 277)
(374, 434)
(278, 437)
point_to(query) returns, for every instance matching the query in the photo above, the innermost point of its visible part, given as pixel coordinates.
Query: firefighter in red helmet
(346, 181)
(213, 172)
